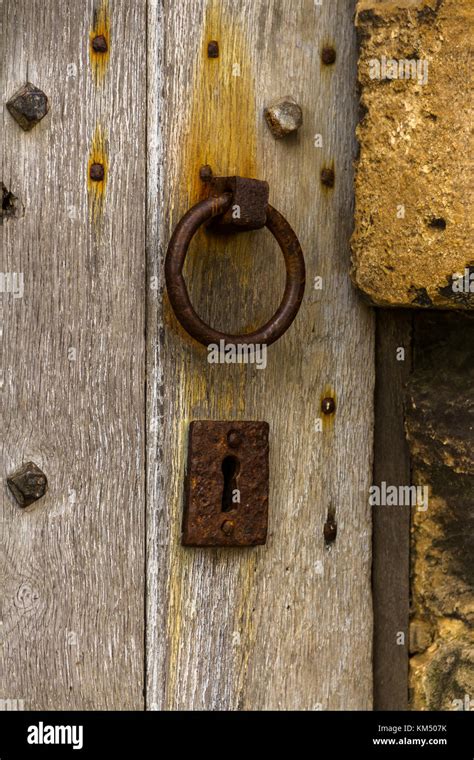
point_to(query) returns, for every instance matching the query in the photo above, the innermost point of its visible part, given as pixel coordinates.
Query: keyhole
(230, 470)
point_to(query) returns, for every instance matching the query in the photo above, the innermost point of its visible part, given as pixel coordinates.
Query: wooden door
(103, 607)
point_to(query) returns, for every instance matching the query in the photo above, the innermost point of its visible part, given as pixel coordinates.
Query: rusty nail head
(211, 516)
(328, 405)
(227, 527)
(27, 484)
(205, 173)
(213, 49)
(234, 439)
(99, 44)
(28, 106)
(327, 177)
(284, 117)
(96, 172)
(328, 55)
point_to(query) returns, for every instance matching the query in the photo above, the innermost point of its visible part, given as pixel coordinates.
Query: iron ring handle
(176, 286)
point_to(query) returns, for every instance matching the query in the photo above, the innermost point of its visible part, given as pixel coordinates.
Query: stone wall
(412, 244)
(440, 429)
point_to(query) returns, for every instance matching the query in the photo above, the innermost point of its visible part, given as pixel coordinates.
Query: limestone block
(412, 243)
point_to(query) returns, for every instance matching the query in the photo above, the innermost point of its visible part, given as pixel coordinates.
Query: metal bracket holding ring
(251, 197)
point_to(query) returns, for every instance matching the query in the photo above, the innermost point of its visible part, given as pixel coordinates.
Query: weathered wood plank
(73, 563)
(287, 625)
(391, 525)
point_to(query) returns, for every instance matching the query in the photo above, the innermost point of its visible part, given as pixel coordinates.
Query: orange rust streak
(328, 419)
(223, 109)
(219, 129)
(100, 27)
(96, 190)
(222, 133)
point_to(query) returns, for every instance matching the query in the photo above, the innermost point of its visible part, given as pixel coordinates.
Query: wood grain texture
(287, 625)
(73, 563)
(391, 525)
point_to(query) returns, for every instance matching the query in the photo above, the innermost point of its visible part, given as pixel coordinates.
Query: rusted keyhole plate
(226, 492)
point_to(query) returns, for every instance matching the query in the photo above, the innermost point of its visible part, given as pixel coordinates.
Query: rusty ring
(178, 294)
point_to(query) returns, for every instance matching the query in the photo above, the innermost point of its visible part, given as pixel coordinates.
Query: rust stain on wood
(222, 133)
(96, 189)
(222, 121)
(100, 29)
(328, 416)
(211, 629)
(328, 177)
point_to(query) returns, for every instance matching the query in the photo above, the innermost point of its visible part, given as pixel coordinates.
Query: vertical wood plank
(73, 563)
(391, 525)
(287, 625)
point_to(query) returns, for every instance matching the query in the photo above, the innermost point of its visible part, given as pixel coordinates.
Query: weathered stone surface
(440, 429)
(414, 200)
